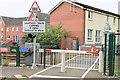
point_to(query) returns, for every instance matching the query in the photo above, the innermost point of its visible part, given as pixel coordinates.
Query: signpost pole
(34, 54)
(34, 26)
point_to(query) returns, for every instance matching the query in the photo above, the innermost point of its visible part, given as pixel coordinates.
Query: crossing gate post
(100, 61)
(63, 62)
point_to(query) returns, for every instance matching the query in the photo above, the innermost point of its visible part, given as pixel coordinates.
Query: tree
(52, 36)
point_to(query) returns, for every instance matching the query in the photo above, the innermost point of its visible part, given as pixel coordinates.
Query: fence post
(44, 58)
(92, 49)
(17, 56)
(100, 61)
(54, 58)
(0, 59)
(41, 57)
(51, 58)
(63, 62)
(105, 53)
(110, 54)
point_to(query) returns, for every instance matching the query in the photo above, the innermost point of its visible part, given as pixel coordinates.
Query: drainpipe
(84, 24)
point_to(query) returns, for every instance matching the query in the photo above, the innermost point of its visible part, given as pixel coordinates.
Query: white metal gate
(73, 59)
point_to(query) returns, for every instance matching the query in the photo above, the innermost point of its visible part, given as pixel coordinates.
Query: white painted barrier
(63, 62)
(100, 61)
(74, 59)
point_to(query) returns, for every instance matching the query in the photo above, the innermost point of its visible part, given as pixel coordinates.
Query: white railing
(71, 59)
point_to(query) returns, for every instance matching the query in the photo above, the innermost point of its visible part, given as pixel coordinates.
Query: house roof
(10, 21)
(44, 17)
(96, 9)
(83, 6)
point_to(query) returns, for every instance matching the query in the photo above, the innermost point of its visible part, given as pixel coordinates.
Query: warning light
(37, 16)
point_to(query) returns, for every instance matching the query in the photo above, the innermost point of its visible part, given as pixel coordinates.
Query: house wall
(98, 22)
(15, 33)
(72, 19)
(2, 25)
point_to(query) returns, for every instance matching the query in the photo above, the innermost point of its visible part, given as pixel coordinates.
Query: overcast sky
(20, 8)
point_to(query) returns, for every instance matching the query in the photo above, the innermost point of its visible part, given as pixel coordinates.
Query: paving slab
(9, 72)
(71, 72)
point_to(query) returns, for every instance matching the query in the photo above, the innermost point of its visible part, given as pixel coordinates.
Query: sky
(20, 8)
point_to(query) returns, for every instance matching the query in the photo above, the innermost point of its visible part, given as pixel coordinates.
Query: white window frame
(1, 38)
(12, 28)
(114, 20)
(98, 36)
(1, 30)
(107, 19)
(7, 29)
(17, 28)
(7, 36)
(90, 31)
(90, 15)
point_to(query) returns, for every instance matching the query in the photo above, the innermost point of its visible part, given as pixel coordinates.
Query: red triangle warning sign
(35, 7)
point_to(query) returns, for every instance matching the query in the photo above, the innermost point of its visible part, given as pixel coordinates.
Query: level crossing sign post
(34, 27)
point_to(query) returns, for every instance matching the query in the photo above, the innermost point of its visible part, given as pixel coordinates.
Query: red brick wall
(2, 25)
(18, 33)
(90, 47)
(10, 43)
(72, 21)
(67, 42)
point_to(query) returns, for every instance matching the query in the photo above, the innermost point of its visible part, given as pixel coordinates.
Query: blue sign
(24, 49)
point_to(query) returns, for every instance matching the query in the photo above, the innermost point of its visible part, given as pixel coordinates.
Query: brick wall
(90, 47)
(67, 42)
(72, 20)
(2, 25)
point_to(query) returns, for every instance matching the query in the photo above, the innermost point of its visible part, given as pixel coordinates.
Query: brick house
(11, 28)
(84, 22)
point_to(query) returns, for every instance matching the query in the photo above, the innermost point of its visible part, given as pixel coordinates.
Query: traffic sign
(24, 49)
(34, 26)
(35, 7)
(4, 49)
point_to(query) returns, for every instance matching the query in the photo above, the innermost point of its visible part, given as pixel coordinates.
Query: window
(73, 8)
(17, 29)
(8, 37)
(0, 22)
(90, 15)
(13, 38)
(107, 19)
(16, 38)
(1, 38)
(7, 29)
(108, 28)
(89, 35)
(1, 30)
(114, 20)
(98, 38)
(12, 28)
